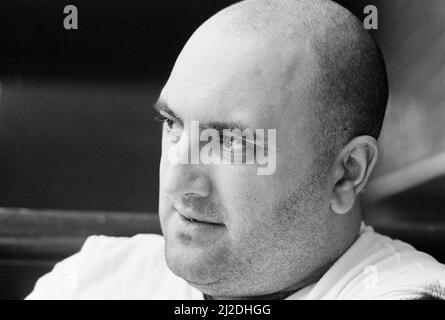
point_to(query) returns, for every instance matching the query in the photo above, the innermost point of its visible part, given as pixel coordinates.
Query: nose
(185, 180)
(179, 179)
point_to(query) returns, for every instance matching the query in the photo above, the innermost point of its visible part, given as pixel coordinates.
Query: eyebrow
(161, 105)
(229, 125)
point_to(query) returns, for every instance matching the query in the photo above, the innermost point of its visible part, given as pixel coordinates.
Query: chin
(206, 271)
(200, 267)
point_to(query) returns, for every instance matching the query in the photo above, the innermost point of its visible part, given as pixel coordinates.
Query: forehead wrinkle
(214, 86)
(236, 66)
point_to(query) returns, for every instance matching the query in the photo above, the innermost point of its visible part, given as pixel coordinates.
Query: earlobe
(351, 172)
(343, 198)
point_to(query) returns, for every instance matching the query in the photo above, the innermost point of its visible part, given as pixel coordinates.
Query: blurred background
(79, 149)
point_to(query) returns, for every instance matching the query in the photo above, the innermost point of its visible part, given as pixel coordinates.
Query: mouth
(193, 230)
(194, 217)
(197, 221)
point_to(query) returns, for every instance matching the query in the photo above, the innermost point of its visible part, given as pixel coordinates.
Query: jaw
(202, 268)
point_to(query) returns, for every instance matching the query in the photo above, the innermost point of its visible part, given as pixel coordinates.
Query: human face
(250, 234)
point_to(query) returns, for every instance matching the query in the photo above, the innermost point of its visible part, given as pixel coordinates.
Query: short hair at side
(353, 84)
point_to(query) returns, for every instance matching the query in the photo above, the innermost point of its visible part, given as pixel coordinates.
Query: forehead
(218, 77)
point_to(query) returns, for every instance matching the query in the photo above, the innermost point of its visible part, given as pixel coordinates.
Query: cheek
(164, 157)
(163, 164)
(162, 167)
(258, 206)
(247, 200)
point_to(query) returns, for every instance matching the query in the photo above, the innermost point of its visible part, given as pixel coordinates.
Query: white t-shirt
(374, 267)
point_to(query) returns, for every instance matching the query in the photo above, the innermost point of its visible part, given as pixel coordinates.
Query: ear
(351, 171)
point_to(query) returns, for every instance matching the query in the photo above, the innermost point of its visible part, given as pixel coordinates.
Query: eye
(170, 123)
(172, 126)
(231, 143)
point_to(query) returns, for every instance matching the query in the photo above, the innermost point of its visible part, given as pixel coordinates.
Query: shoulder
(113, 268)
(108, 249)
(383, 268)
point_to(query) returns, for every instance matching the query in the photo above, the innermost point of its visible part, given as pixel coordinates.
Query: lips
(191, 219)
(195, 218)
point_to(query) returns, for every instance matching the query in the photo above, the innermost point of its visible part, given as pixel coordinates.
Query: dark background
(116, 40)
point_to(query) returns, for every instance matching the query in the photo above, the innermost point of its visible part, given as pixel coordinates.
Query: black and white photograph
(222, 150)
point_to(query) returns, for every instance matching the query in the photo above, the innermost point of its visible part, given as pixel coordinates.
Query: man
(308, 70)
